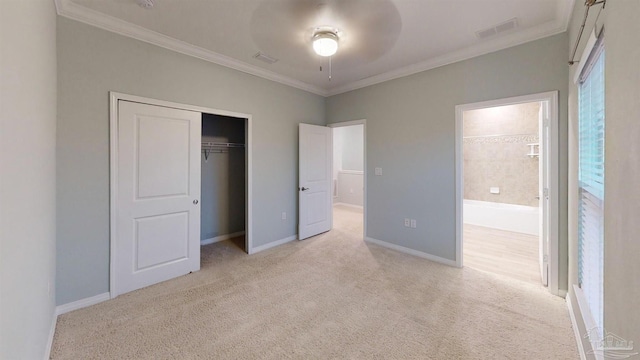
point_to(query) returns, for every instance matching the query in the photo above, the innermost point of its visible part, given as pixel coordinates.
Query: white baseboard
(52, 331)
(273, 244)
(574, 325)
(216, 239)
(348, 205)
(413, 252)
(83, 303)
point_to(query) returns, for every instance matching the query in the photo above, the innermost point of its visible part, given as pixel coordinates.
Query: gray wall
(410, 134)
(222, 198)
(92, 62)
(352, 146)
(27, 176)
(622, 159)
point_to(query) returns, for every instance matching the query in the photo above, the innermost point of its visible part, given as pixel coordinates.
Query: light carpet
(329, 297)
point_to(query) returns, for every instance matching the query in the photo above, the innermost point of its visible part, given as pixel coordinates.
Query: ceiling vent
(496, 29)
(265, 58)
(145, 4)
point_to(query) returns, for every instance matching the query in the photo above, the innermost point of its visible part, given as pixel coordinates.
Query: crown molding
(564, 13)
(534, 33)
(69, 9)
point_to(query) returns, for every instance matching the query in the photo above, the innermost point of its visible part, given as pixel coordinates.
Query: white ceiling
(379, 39)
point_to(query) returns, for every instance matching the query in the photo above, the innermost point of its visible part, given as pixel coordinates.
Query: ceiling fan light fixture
(325, 43)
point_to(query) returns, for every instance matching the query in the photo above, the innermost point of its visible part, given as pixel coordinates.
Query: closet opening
(224, 180)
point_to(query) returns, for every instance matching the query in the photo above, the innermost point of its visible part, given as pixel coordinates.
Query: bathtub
(518, 218)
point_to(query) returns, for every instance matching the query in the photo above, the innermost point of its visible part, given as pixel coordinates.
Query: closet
(223, 182)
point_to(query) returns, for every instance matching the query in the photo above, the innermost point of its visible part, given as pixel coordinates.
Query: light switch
(494, 190)
(378, 171)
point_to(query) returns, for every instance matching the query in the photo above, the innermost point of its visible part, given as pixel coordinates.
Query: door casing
(114, 97)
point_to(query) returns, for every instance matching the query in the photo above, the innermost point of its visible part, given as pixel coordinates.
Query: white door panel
(163, 157)
(158, 212)
(314, 180)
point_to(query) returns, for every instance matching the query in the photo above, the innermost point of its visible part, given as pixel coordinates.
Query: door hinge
(545, 259)
(545, 192)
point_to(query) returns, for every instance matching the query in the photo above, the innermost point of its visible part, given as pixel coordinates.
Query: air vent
(266, 58)
(145, 4)
(496, 29)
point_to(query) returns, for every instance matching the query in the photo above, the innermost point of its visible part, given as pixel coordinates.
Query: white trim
(82, 303)
(585, 311)
(531, 34)
(591, 42)
(273, 244)
(362, 122)
(576, 330)
(71, 10)
(220, 238)
(413, 252)
(52, 332)
(348, 123)
(352, 172)
(113, 167)
(564, 12)
(552, 98)
(349, 205)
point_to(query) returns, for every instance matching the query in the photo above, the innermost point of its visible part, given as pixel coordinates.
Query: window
(591, 124)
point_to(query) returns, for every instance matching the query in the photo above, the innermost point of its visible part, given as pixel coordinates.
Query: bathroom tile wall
(495, 154)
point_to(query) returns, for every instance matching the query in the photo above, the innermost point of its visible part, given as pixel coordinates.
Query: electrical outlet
(413, 223)
(284, 215)
(407, 222)
(378, 171)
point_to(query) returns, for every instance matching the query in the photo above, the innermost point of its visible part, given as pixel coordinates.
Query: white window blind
(591, 124)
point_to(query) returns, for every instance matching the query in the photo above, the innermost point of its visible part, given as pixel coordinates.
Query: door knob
(195, 202)
(304, 188)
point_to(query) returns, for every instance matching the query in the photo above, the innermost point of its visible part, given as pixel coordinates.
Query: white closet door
(158, 211)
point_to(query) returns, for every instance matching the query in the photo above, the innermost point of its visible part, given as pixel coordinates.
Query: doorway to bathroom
(349, 176)
(506, 158)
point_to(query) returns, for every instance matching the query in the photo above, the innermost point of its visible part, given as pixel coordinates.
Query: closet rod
(216, 144)
(210, 145)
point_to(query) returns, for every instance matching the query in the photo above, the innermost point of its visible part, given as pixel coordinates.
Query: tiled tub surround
(495, 148)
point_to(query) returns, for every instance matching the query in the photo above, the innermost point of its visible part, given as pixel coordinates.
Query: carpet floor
(329, 297)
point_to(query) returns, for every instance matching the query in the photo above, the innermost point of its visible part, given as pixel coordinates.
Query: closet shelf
(218, 148)
(216, 145)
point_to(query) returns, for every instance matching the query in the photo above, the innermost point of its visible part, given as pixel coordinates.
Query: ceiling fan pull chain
(330, 68)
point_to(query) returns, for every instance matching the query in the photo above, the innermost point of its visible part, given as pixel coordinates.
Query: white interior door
(158, 211)
(543, 173)
(314, 205)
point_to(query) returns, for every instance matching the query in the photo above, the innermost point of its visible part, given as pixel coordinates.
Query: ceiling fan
(300, 32)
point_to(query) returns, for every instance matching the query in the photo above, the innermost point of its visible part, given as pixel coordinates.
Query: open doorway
(507, 187)
(349, 175)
